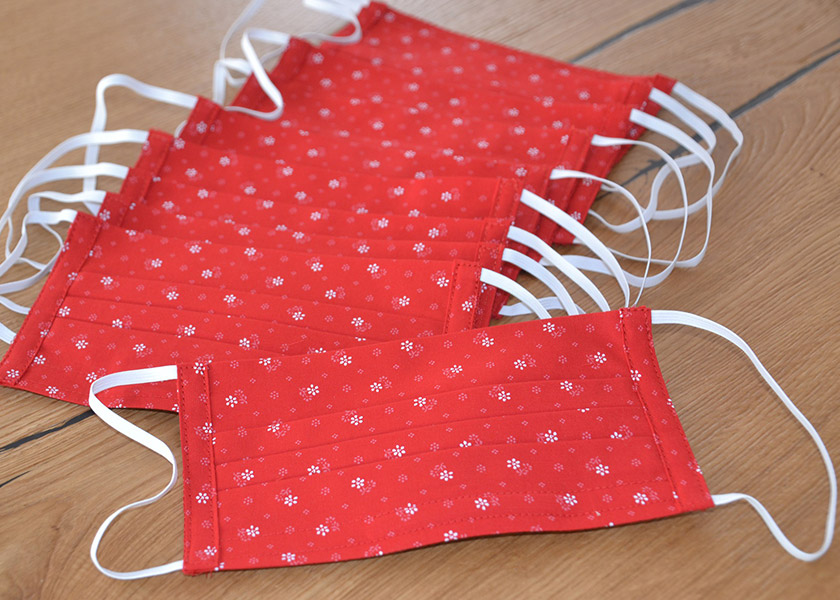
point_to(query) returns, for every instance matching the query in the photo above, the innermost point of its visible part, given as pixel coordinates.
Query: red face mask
(331, 90)
(388, 447)
(119, 298)
(258, 179)
(400, 41)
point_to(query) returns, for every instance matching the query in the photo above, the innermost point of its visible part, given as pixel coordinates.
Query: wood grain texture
(771, 274)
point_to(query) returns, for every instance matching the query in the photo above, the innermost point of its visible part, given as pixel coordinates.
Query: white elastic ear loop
(225, 65)
(32, 218)
(341, 11)
(703, 104)
(100, 114)
(535, 269)
(506, 284)
(76, 142)
(667, 130)
(640, 282)
(633, 224)
(705, 133)
(552, 258)
(585, 236)
(130, 430)
(690, 320)
(49, 175)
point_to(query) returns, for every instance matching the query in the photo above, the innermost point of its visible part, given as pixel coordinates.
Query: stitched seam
(456, 270)
(663, 389)
(657, 438)
(59, 300)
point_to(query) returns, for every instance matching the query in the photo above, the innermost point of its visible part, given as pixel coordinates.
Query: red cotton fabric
(263, 180)
(120, 299)
(556, 425)
(212, 126)
(331, 90)
(400, 41)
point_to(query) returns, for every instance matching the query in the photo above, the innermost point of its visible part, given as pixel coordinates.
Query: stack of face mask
(308, 277)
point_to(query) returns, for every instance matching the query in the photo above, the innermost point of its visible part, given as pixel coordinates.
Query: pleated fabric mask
(373, 450)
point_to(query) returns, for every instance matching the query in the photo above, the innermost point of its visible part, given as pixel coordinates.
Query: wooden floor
(771, 274)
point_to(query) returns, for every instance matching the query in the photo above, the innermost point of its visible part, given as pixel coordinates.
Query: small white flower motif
(398, 451)
(345, 360)
(288, 557)
(450, 536)
(290, 500)
(13, 373)
(172, 295)
(224, 161)
(358, 322)
(245, 343)
(407, 345)
(195, 248)
(521, 172)
(156, 263)
(40, 359)
(312, 390)
(52, 390)
(276, 281)
(322, 530)
(600, 358)
(317, 58)
(363, 248)
(330, 294)
(482, 503)
(250, 190)
(316, 266)
(513, 463)
(533, 152)
(503, 395)
(334, 183)
(268, 140)
(231, 401)
(635, 375)
(549, 437)
(64, 311)
(230, 299)
(467, 305)
(519, 364)
(358, 483)
(420, 402)
(191, 173)
(640, 498)
(82, 344)
(313, 470)
(602, 470)
(569, 499)
(105, 215)
(376, 387)
(252, 531)
(312, 153)
(410, 509)
(202, 497)
(178, 143)
(434, 232)
(373, 268)
(106, 281)
(202, 193)
(250, 252)
(446, 475)
(117, 323)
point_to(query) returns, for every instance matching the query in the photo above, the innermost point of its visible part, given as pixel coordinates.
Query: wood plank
(769, 275)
